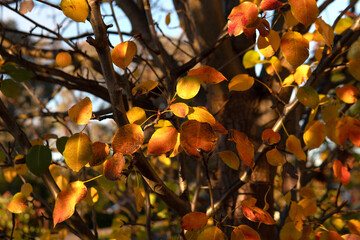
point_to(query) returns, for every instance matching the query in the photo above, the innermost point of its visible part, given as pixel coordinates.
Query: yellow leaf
(309, 206)
(250, 59)
(290, 20)
(274, 66)
(78, 151)
(230, 159)
(128, 139)
(354, 226)
(136, 115)
(9, 174)
(188, 87)
(275, 158)
(63, 59)
(302, 74)
(326, 31)
(314, 134)
(343, 25)
(144, 87)
(177, 148)
(194, 221)
(92, 196)
(60, 175)
(270, 44)
(139, 199)
(212, 233)
(290, 232)
(241, 82)
(201, 115)
(307, 192)
(17, 204)
(294, 47)
(81, 112)
(77, 10)
(294, 146)
(26, 189)
(305, 11)
(123, 54)
(288, 80)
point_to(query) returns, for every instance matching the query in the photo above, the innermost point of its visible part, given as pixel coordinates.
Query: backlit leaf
(305, 11)
(177, 148)
(162, 140)
(270, 4)
(10, 88)
(326, 31)
(100, 152)
(78, 151)
(194, 221)
(81, 112)
(38, 159)
(230, 159)
(77, 10)
(26, 6)
(136, 115)
(270, 137)
(354, 226)
(244, 147)
(212, 233)
(343, 25)
(61, 175)
(196, 137)
(293, 144)
(128, 139)
(113, 167)
(302, 74)
(67, 199)
(123, 54)
(167, 19)
(206, 74)
(9, 174)
(188, 87)
(314, 134)
(244, 232)
(273, 67)
(348, 93)
(179, 109)
(250, 59)
(354, 68)
(341, 172)
(139, 199)
(294, 47)
(201, 115)
(144, 87)
(243, 15)
(92, 196)
(241, 82)
(308, 96)
(18, 203)
(270, 44)
(348, 128)
(274, 157)
(256, 214)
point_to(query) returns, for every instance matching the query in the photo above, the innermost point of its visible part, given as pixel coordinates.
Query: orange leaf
(212, 233)
(243, 15)
(290, 20)
(348, 128)
(188, 87)
(270, 137)
(256, 214)
(208, 75)
(270, 4)
(307, 192)
(194, 221)
(347, 93)
(293, 144)
(113, 167)
(270, 44)
(326, 31)
(275, 158)
(26, 6)
(329, 235)
(144, 87)
(244, 232)
(179, 109)
(81, 112)
(294, 47)
(230, 159)
(314, 134)
(244, 147)
(177, 148)
(341, 172)
(296, 212)
(196, 137)
(305, 11)
(67, 199)
(162, 140)
(100, 152)
(309, 206)
(63, 59)
(128, 139)
(18, 203)
(241, 82)
(354, 226)
(123, 54)
(290, 232)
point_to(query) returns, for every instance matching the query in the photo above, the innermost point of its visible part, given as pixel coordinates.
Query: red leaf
(256, 214)
(243, 15)
(270, 4)
(341, 172)
(244, 147)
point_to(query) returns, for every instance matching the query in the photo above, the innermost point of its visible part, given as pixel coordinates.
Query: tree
(197, 142)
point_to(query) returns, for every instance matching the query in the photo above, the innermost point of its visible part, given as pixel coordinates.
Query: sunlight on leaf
(343, 25)
(241, 82)
(18, 203)
(243, 15)
(81, 112)
(92, 196)
(270, 137)
(341, 172)
(348, 93)
(295, 48)
(305, 11)
(188, 87)
(293, 144)
(144, 87)
(179, 109)
(77, 10)
(250, 59)
(123, 54)
(270, 4)
(206, 74)
(61, 175)
(128, 139)
(326, 31)
(136, 115)
(162, 140)
(200, 114)
(78, 151)
(254, 213)
(354, 226)
(302, 74)
(314, 134)
(270, 44)
(63, 59)
(194, 221)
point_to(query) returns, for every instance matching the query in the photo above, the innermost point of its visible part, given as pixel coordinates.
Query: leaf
(308, 96)
(77, 10)
(241, 82)
(326, 31)
(256, 214)
(290, 178)
(78, 151)
(354, 51)
(294, 47)
(244, 147)
(60, 175)
(177, 148)
(63, 59)
(113, 167)
(200, 114)
(197, 137)
(67, 199)
(61, 143)
(26, 189)
(188, 87)
(274, 157)
(9, 174)
(309, 206)
(293, 144)
(212, 233)
(18, 203)
(194, 221)
(330, 235)
(179, 109)
(343, 25)
(208, 75)
(348, 93)
(341, 172)
(162, 140)
(302, 74)
(26, 6)
(314, 134)
(136, 115)
(273, 67)
(139, 199)
(81, 112)
(243, 15)
(38, 159)
(92, 196)
(270, 137)
(144, 87)
(100, 152)
(17, 73)
(230, 159)
(290, 20)
(354, 68)
(123, 54)
(10, 88)
(244, 232)
(167, 19)
(250, 59)
(290, 232)
(128, 139)
(270, 44)
(307, 192)
(305, 11)
(270, 5)
(354, 226)
(348, 128)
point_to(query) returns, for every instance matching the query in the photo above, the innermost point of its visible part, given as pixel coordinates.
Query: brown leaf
(100, 152)
(128, 139)
(113, 167)
(294, 47)
(194, 221)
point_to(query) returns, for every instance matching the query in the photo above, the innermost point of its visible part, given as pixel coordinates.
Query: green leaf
(10, 88)
(251, 58)
(38, 159)
(18, 74)
(2, 156)
(60, 144)
(308, 96)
